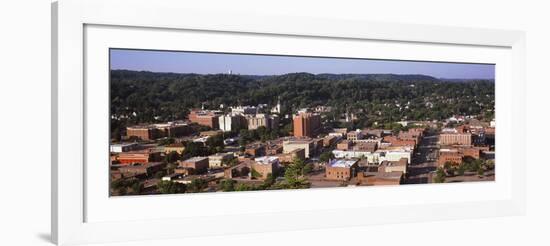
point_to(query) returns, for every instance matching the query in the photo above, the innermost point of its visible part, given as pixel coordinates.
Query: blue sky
(212, 63)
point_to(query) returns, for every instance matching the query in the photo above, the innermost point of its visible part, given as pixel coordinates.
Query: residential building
(232, 122)
(267, 121)
(306, 124)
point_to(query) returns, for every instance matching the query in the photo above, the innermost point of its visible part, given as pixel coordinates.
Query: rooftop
(123, 144)
(265, 160)
(342, 163)
(196, 159)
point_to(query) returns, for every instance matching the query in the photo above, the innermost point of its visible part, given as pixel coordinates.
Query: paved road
(424, 162)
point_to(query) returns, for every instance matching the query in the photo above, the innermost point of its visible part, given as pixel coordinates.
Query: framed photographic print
(166, 124)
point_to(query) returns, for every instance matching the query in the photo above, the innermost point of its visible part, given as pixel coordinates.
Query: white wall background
(25, 122)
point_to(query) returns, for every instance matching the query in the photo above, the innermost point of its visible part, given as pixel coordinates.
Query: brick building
(294, 154)
(148, 169)
(449, 155)
(340, 169)
(394, 166)
(267, 121)
(455, 139)
(365, 146)
(219, 159)
(255, 150)
(205, 118)
(199, 164)
(147, 132)
(155, 131)
(265, 165)
(330, 140)
(381, 178)
(142, 156)
(306, 124)
(355, 135)
(396, 141)
(344, 145)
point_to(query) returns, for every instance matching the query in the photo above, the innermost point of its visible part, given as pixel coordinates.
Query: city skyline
(250, 64)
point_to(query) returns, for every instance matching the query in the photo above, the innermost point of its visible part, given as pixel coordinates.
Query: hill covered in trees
(139, 97)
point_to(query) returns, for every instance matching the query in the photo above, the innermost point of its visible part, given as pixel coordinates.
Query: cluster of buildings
(376, 146)
(240, 117)
(372, 156)
(466, 140)
(358, 157)
(156, 131)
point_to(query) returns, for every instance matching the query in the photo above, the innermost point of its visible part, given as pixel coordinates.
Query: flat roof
(342, 163)
(196, 158)
(123, 144)
(266, 159)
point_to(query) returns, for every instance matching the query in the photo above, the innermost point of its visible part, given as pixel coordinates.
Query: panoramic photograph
(197, 122)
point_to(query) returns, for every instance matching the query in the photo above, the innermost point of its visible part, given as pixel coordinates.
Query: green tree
(169, 187)
(137, 188)
(197, 185)
(308, 168)
(171, 157)
(228, 185)
(440, 175)
(294, 175)
(244, 187)
(194, 149)
(215, 144)
(326, 156)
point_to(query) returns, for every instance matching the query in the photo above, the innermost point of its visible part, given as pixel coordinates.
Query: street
(424, 160)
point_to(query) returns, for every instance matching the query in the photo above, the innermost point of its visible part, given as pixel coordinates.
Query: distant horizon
(204, 63)
(266, 75)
